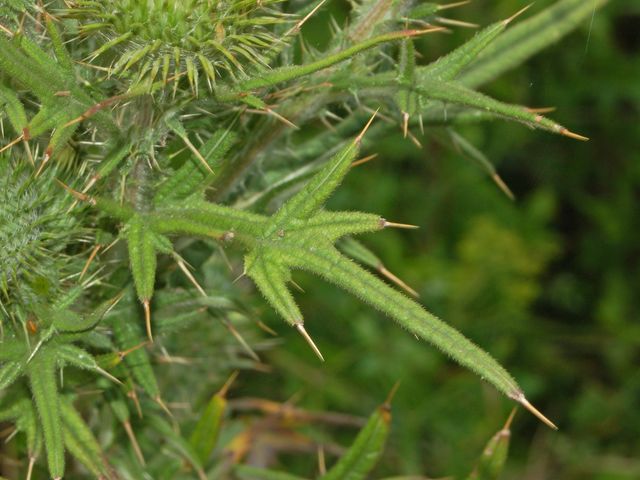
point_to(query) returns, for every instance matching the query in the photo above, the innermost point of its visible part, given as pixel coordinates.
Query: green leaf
(14, 109)
(42, 378)
(449, 66)
(79, 440)
(271, 277)
(203, 218)
(142, 256)
(457, 94)
(128, 334)
(62, 55)
(9, 372)
(284, 74)
(331, 265)
(367, 448)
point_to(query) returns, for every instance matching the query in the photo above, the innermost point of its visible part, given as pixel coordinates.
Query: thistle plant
(132, 130)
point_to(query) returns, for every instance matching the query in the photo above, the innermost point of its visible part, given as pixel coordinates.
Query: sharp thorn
(298, 287)
(515, 15)
(383, 270)
(6, 30)
(239, 277)
(163, 406)
(93, 254)
(80, 196)
(11, 143)
(364, 160)
(520, 398)
(366, 127)
(415, 141)
(147, 319)
(298, 25)
(266, 328)
(32, 462)
(196, 152)
(241, 340)
(415, 33)
(282, 119)
(457, 23)
(386, 224)
(136, 401)
(392, 393)
(124, 353)
(507, 424)
(225, 388)
(189, 275)
(309, 340)
(134, 442)
(541, 110)
(106, 374)
(503, 186)
(405, 124)
(453, 5)
(570, 134)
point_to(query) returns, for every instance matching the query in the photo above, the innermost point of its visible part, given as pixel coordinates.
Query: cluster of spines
(145, 41)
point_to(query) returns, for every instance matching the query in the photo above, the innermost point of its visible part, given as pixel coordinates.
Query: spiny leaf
(79, 440)
(143, 261)
(449, 66)
(357, 251)
(128, 334)
(62, 55)
(14, 109)
(42, 378)
(24, 69)
(207, 219)
(284, 74)
(9, 372)
(68, 354)
(271, 279)
(317, 190)
(331, 265)
(407, 100)
(456, 93)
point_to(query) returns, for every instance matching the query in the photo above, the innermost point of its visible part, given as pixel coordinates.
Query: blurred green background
(548, 283)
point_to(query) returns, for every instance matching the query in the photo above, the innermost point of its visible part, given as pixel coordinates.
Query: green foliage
(142, 136)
